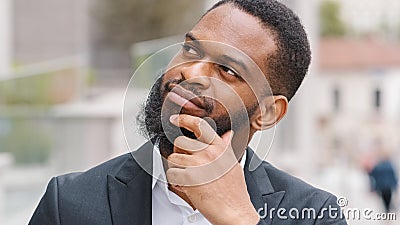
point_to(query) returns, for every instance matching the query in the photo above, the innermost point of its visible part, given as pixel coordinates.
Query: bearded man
(236, 72)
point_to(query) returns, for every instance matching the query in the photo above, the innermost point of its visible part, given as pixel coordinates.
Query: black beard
(150, 119)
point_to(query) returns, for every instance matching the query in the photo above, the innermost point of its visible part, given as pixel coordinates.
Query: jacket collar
(130, 192)
(259, 186)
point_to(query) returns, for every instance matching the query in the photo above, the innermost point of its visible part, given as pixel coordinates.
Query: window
(377, 99)
(336, 99)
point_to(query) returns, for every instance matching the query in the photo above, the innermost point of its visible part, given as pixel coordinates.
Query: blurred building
(46, 30)
(5, 37)
(357, 96)
(370, 16)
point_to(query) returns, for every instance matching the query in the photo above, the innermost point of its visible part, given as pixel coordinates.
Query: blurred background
(65, 64)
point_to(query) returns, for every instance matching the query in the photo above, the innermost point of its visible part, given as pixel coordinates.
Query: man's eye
(229, 71)
(189, 49)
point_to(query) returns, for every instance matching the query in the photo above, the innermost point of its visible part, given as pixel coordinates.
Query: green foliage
(143, 81)
(330, 22)
(91, 77)
(26, 91)
(44, 89)
(26, 141)
(398, 31)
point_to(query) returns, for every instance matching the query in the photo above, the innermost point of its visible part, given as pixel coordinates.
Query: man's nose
(198, 74)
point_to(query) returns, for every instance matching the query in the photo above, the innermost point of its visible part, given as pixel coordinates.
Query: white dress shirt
(168, 207)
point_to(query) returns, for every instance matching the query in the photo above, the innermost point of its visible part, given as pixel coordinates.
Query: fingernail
(173, 118)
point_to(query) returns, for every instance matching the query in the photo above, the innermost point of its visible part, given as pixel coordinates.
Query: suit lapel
(262, 194)
(129, 190)
(130, 193)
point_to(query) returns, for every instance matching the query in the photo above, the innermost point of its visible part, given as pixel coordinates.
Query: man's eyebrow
(223, 58)
(192, 38)
(227, 58)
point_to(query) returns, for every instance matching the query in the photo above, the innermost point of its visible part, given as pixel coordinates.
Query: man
(200, 116)
(384, 180)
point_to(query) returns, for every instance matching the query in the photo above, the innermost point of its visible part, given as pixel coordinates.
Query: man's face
(218, 70)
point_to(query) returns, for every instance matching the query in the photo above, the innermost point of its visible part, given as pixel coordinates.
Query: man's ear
(271, 110)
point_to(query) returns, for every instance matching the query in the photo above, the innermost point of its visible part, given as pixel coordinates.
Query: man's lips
(185, 98)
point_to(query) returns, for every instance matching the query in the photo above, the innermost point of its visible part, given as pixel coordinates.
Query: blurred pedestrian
(384, 181)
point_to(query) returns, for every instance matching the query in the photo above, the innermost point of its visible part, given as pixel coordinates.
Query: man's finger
(177, 160)
(189, 146)
(227, 137)
(191, 176)
(201, 128)
(178, 177)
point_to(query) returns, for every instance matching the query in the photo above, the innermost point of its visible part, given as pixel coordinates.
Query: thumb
(227, 137)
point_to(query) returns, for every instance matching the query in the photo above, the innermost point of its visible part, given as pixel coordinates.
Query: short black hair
(289, 64)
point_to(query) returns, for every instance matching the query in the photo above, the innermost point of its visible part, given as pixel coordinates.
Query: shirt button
(192, 218)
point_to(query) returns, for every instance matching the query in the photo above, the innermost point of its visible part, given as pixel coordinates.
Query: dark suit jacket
(119, 192)
(383, 176)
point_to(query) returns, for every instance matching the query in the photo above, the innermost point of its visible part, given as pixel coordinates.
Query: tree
(330, 22)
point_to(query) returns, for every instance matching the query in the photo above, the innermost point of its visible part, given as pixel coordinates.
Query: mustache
(207, 102)
(169, 85)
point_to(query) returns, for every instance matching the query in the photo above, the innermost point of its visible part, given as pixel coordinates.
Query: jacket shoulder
(83, 196)
(95, 174)
(78, 198)
(305, 198)
(91, 185)
(301, 195)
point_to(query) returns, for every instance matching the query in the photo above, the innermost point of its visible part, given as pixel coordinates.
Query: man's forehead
(232, 26)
